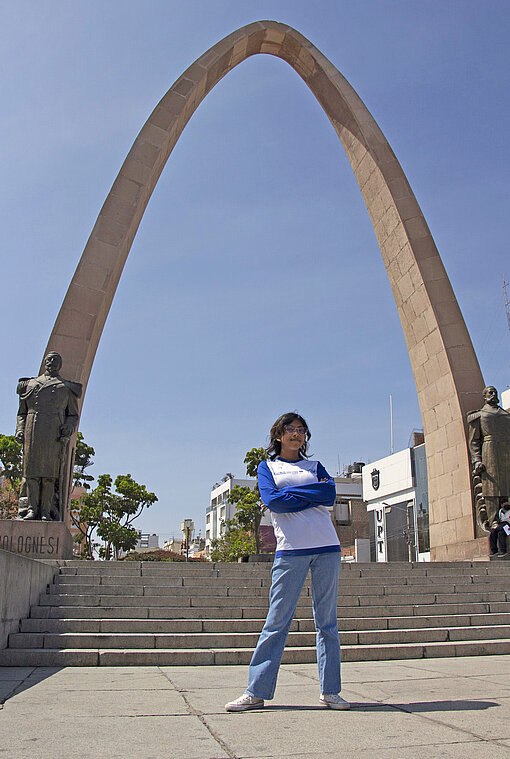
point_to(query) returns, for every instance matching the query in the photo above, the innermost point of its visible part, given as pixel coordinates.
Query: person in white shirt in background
(498, 534)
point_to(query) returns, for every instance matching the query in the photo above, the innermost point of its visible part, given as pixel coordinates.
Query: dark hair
(275, 446)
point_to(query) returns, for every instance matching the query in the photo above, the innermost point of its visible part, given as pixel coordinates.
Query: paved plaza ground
(452, 708)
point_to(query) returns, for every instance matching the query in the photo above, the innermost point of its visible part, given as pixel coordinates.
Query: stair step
(394, 569)
(260, 612)
(195, 641)
(260, 588)
(154, 626)
(90, 581)
(12, 657)
(248, 639)
(149, 613)
(151, 599)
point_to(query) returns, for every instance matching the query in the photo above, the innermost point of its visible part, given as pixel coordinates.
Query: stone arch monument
(446, 371)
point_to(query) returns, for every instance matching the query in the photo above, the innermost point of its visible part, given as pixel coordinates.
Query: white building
(505, 400)
(173, 544)
(220, 510)
(348, 490)
(145, 540)
(396, 494)
(349, 515)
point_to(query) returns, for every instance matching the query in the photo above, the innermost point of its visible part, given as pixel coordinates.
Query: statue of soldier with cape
(489, 446)
(47, 417)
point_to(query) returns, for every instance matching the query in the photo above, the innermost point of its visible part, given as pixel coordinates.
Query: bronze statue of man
(489, 446)
(47, 417)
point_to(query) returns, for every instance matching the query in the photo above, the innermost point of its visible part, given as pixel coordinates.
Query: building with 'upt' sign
(396, 494)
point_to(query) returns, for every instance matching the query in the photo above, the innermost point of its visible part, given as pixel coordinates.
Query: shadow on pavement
(418, 706)
(14, 685)
(446, 706)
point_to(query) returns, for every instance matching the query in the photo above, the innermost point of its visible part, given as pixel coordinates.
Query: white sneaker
(244, 702)
(334, 701)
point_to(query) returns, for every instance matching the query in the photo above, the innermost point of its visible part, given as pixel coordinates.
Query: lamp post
(187, 528)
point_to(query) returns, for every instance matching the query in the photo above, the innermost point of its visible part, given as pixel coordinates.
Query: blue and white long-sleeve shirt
(297, 500)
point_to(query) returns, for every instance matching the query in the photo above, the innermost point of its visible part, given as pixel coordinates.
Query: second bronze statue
(489, 446)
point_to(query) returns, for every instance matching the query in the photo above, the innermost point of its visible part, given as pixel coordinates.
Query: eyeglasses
(290, 429)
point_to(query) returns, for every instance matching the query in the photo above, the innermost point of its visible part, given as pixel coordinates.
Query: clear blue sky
(255, 284)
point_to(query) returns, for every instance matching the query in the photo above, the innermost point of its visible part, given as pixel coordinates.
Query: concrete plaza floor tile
(407, 712)
(465, 750)
(108, 678)
(15, 673)
(496, 680)
(435, 689)
(359, 672)
(7, 688)
(468, 750)
(295, 733)
(299, 674)
(117, 674)
(489, 720)
(469, 665)
(478, 709)
(104, 703)
(47, 737)
(212, 701)
(27, 677)
(230, 678)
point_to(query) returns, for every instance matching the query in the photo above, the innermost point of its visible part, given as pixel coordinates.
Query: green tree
(236, 542)
(109, 514)
(253, 459)
(119, 509)
(249, 506)
(83, 458)
(11, 469)
(249, 511)
(242, 532)
(84, 518)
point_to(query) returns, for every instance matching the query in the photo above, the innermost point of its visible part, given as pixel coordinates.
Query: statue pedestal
(36, 540)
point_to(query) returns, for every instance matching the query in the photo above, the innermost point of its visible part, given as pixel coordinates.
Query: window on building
(342, 511)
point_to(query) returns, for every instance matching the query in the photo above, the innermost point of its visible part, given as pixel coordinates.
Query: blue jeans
(288, 577)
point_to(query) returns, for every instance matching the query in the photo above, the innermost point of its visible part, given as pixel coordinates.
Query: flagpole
(391, 423)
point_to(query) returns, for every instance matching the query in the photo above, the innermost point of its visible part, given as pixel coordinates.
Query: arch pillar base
(468, 550)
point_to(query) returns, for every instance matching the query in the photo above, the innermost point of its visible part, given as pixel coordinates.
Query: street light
(187, 528)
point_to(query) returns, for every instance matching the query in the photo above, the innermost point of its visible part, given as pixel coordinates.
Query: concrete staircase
(145, 613)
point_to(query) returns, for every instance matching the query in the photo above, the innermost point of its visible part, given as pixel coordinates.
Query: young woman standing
(297, 492)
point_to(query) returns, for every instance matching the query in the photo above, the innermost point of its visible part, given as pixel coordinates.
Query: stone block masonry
(163, 614)
(36, 540)
(446, 371)
(22, 581)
